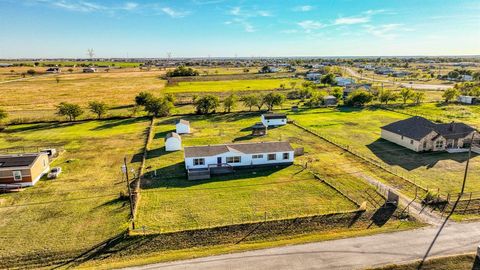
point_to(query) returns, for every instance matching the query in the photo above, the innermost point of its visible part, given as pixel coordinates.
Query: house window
(236, 159)
(272, 156)
(424, 145)
(44, 163)
(286, 155)
(411, 141)
(257, 156)
(17, 175)
(198, 161)
(402, 137)
(439, 144)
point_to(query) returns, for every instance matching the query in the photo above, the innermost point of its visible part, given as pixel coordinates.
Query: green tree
(260, 101)
(418, 97)
(359, 98)
(273, 99)
(328, 79)
(31, 72)
(230, 102)
(142, 98)
(98, 107)
(315, 100)
(170, 97)
(182, 71)
(337, 92)
(385, 96)
(406, 94)
(70, 110)
(206, 104)
(250, 101)
(158, 107)
(450, 94)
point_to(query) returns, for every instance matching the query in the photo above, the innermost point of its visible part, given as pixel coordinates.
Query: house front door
(455, 143)
(219, 160)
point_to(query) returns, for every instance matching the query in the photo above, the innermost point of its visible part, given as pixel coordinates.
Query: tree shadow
(41, 126)
(121, 122)
(395, 155)
(161, 135)
(476, 264)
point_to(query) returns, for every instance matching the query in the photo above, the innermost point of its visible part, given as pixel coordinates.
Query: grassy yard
(167, 198)
(360, 130)
(230, 85)
(60, 219)
(459, 262)
(37, 97)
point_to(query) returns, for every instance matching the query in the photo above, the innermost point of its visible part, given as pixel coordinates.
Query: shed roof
(181, 121)
(172, 135)
(18, 160)
(274, 116)
(245, 148)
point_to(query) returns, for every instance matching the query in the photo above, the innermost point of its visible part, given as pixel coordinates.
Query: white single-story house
(173, 142)
(274, 119)
(468, 99)
(419, 134)
(313, 76)
(466, 78)
(23, 170)
(342, 81)
(238, 155)
(182, 126)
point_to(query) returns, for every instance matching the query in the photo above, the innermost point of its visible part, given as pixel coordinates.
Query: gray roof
(418, 127)
(172, 134)
(274, 116)
(185, 122)
(242, 148)
(25, 160)
(259, 125)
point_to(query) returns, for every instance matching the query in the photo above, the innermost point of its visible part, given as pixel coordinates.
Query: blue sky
(202, 28)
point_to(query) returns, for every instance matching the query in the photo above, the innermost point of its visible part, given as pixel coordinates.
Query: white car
(54, 173)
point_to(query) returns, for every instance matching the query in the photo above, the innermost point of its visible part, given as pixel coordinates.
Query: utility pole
(468, 161)
(125, 170)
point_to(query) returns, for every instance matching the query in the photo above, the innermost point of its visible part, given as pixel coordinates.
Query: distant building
(342, 81)
(466, 78)
(182, 126)
(89, 70)
(468, 100)
(53, 70)
(329, 100)
(419, 134)
(22, 170)
(354, 87)
(313, 76)
(173, 142)
(274, 119)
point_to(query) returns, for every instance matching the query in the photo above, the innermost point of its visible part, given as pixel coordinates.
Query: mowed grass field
(37, 97)
(169, 202)
(360, 130)
(230, 85)
(58, 219)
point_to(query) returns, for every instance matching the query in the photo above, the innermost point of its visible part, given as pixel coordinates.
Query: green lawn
(459, 262)
(62, 218)
(230, 85)
(360, 130)
(169, 202)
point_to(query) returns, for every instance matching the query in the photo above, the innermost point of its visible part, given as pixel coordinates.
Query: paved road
(408, 85)
(350, 253)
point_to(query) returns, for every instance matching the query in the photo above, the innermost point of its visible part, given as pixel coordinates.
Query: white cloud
(236, 11)
(310, 25)
(386, 31)
(130, 6)
(351, 20)
(174, 13)
(303, 8)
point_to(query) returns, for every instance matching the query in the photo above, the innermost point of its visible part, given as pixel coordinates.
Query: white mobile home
(173, 142)
(274, 119)
(238, 155)
(182, 126)
(468, 100)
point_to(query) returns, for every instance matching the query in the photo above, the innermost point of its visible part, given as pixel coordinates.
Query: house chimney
(452, 125)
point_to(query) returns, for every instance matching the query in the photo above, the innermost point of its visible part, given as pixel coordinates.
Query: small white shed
(182, 126)
(173, 142)
(467, 99)
(274, 119)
